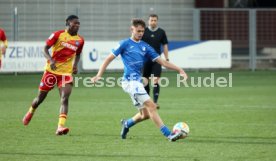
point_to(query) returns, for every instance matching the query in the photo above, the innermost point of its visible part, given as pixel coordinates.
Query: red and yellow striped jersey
(64, 49)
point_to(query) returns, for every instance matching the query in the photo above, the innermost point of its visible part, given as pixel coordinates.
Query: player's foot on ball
(124, 130)
(62, 130)
(27, 118)
(175, 136)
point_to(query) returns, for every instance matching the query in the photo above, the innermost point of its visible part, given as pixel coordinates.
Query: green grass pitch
(226, 124)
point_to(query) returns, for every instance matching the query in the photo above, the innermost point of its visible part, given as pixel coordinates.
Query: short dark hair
(137, 21)
(153, 15)
(71, 17)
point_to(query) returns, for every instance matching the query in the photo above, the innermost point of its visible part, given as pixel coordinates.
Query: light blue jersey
(134, 54)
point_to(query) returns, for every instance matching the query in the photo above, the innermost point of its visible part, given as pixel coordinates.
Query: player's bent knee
(150, 105)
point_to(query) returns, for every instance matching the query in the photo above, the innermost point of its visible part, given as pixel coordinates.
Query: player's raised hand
(95, 79)
(183, 74)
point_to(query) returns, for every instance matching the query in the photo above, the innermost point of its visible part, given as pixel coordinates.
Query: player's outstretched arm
(103, 67)
(170, 65)
(75, 65)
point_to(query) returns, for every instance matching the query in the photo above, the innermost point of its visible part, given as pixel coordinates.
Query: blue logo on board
(93, 55)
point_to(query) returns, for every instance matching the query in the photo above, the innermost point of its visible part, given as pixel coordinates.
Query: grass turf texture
(229, 124)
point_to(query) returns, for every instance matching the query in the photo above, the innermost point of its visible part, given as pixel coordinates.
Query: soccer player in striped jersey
(134, 52)
(66, 49)
(3, 45)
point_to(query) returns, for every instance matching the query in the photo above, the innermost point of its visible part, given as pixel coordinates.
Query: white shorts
(137, 92)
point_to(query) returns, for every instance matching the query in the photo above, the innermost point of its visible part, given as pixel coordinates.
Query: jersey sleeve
(119, 48)
(151, 53)
(80, 47)
(164, 38)
(52, 39)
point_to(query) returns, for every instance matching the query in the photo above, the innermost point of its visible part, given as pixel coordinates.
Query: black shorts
(152, 68)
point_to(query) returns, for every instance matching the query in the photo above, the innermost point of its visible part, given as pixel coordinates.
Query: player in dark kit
(155, 37)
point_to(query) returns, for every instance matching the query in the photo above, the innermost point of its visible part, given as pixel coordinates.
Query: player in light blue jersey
(134, 53)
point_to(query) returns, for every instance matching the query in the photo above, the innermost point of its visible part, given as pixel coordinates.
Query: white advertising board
(205, 54)
(94, 53)
(197, 54)
(23, 57)
(28, 56)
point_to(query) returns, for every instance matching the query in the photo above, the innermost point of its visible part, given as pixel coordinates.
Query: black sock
(156, 90)
(147, 88)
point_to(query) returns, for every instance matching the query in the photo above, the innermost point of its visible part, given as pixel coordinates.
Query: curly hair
(137, 21)
(69, 18)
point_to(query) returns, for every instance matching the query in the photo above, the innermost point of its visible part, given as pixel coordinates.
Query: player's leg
(150, 106)
(65, 93)
(142, 115)
(154, 116)
(139, 117)
(147, 110)
(45, 86)
(36, 102)
(39, 99)
(156, 70)
(136, 91)
(147, 74)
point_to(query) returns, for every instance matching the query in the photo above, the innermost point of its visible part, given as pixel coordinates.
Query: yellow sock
(31, 109)
(62, 119)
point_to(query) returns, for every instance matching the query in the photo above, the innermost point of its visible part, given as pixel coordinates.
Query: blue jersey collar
(134, 40)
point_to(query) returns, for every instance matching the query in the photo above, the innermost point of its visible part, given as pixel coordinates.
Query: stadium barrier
(186, 54)
(28, 56)
(24, 57)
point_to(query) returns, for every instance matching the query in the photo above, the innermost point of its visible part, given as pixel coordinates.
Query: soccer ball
(181, 127)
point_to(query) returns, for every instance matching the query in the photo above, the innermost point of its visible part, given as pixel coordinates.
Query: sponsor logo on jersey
(144, 48)
(69, 46)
